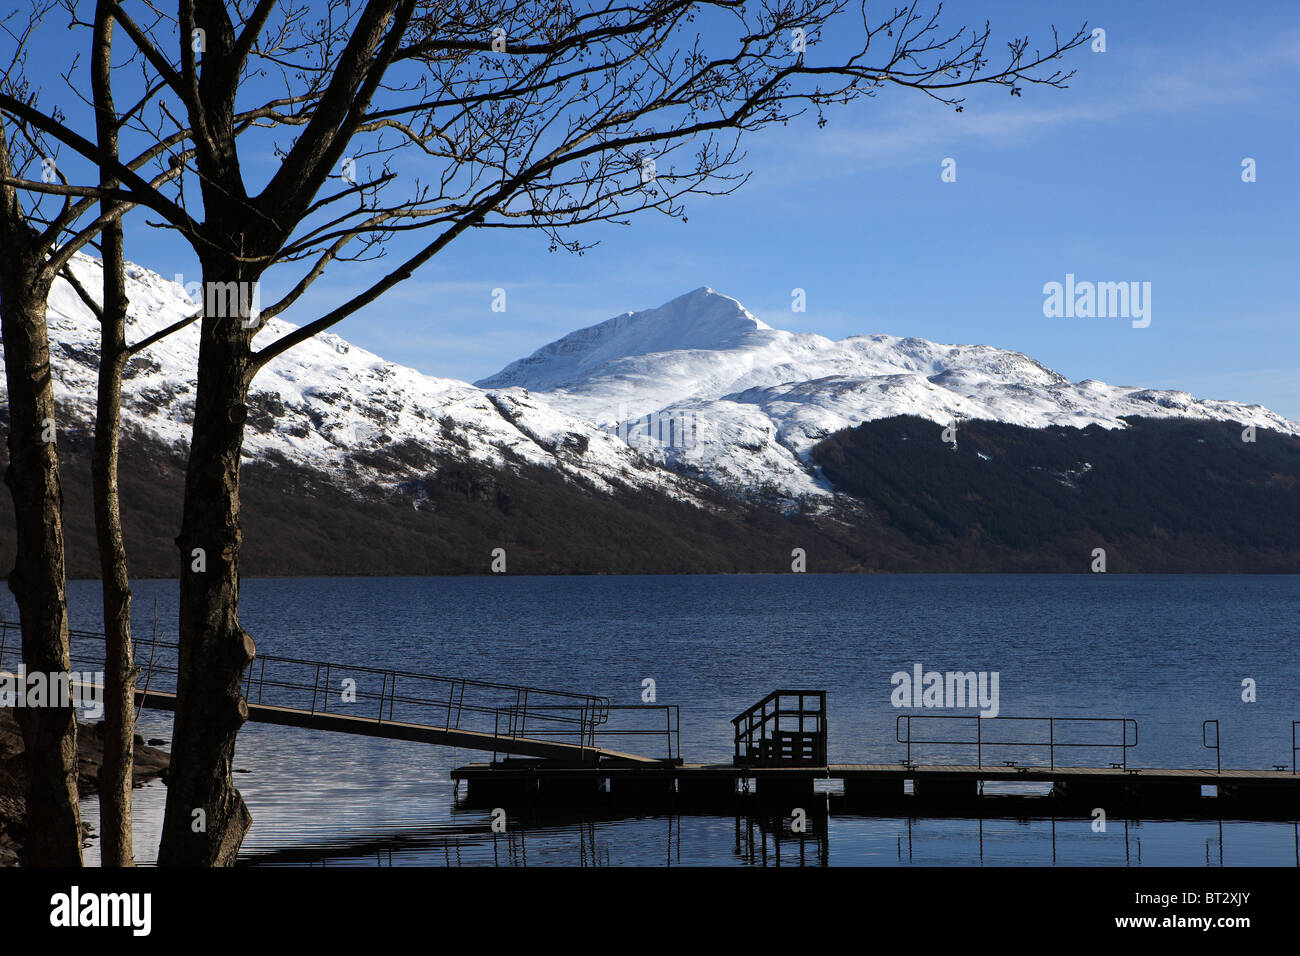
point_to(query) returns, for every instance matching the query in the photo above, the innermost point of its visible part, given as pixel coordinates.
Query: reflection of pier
(597, 838)
(585, 839)
(776, 840)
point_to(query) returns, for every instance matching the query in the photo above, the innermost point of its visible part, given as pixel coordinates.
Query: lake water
(1168, 651)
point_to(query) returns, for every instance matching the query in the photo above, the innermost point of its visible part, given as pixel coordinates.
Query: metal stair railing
(763, 737)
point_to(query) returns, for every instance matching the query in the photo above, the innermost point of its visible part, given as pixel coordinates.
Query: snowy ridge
(326, 401)
(755, 400)
(697, 388)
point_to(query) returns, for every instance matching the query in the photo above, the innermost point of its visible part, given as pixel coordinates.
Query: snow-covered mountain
(330, 405)
(696, 389)
(701, 383)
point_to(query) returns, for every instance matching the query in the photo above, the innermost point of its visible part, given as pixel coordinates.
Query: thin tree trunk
(119, 675)
(37, 580)
(116, 847)
(214, 649)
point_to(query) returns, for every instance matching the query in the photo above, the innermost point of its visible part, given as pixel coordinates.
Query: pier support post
(1263, 797)
(579, 786)
(482, 790)
(785, 787)
(942, 791)
(870, 792)
(656, 785)
(1166, 793)
(708, 788)
(1086, 795)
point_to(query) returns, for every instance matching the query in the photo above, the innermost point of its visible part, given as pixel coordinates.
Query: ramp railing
(621, 722)
(379, 695)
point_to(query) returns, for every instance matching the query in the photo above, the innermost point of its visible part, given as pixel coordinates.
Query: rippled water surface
(1168, 651)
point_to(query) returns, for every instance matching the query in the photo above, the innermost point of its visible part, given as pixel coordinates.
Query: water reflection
(718, 645)
(766, 839)
(776, 841)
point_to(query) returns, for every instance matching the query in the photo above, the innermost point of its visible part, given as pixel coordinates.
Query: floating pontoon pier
(779, 760)
(549, 745)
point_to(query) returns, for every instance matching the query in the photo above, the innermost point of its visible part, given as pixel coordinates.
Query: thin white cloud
(897, 132)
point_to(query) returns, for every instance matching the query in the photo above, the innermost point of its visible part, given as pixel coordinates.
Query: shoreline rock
(150, 764)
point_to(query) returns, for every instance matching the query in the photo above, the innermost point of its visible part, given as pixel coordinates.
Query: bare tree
(115, 775)
(45, 244)
(532, 115)
(38, 577)
(39, 247)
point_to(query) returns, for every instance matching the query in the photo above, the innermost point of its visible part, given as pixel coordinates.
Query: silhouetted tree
(534, 115)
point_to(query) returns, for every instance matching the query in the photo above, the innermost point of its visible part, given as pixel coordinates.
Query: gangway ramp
(506, 720)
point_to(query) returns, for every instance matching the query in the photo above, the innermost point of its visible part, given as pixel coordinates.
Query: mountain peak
(701, 319)
(698, 382)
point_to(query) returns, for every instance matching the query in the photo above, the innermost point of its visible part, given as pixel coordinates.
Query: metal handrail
(516, 723)
(1218, 756)
(281, 681)
(980, 741)
(361, 668)
(1294, 746)
(589, 719)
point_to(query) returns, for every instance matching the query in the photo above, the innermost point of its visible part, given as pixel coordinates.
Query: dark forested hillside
(298, 522)
(1161, 495)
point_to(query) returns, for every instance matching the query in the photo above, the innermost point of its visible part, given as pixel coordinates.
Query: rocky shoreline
(150, 764)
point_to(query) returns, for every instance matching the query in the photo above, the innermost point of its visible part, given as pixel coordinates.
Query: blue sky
(1131, 174)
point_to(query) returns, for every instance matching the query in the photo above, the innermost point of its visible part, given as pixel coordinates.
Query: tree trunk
(119, 672)
(214, 649)
(115, 774)
(37, 580)
(116, 842)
